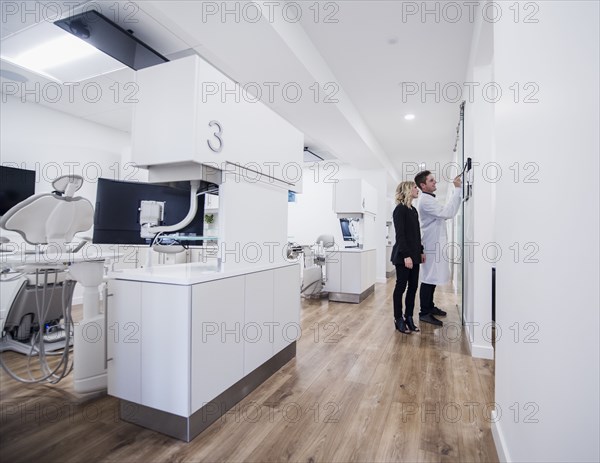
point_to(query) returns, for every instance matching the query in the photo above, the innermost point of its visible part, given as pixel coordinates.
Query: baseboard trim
(481, 351)
(499, 440)
(352, 298)
(187, 428)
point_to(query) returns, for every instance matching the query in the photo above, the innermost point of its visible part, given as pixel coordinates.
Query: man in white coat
(432, 215)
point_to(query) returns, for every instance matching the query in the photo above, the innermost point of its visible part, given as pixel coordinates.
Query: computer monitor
(16, 185)
(346, 233)
(116, 218)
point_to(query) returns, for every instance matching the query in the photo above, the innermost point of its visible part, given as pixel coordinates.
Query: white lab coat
(433, 216)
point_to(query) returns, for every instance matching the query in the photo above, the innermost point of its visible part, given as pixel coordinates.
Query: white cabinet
(217, 344)
(147, 339)
(257, 330)
(124, 341)
(354, 196)
(165, 337)
(175, 348)
(353, 272)
(286, 315)
(350, 274)
(190, 123)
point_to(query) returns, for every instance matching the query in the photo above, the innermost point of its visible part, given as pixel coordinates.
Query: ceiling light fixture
(409, 117)
(52, 53)
(83, 46)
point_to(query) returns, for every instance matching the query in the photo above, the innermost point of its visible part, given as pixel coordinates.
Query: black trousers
(404, 277)
(426, 296)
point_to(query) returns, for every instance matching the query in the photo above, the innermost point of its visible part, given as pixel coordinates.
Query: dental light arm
(149, 231)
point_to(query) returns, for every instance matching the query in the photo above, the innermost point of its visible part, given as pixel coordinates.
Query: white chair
(50, 221)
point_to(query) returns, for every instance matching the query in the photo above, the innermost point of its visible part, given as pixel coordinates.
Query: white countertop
(188, 274)
(350, 250)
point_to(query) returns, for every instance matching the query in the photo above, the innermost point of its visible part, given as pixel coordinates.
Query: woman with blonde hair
(407, 254)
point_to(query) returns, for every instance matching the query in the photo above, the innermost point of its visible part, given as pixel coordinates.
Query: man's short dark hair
(421, 177)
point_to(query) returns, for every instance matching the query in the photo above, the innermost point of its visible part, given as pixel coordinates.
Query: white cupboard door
(124, 346)
(166, 347)
(217, 345)
(287, 306)
(351, 272)
(258, 330)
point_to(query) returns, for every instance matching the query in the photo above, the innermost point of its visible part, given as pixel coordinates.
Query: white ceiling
(361, 59)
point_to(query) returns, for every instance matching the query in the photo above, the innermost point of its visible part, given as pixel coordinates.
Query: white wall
(312, 214)
(479, 210)
(54, 143)
(554, 380)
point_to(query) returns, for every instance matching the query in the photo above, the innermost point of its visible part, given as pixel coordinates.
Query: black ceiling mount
(112, 39)
(307, 149)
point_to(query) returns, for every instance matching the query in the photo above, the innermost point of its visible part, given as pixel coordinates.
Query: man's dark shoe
(439, 312)
(429, 318)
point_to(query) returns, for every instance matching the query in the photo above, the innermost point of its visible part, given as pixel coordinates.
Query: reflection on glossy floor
(357, 391)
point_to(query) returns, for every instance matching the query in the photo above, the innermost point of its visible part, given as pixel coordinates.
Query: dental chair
(22, 322)
(45, 280)
(315, 257)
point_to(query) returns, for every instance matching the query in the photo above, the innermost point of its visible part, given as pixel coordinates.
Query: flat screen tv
(16, 185)
(116, 218)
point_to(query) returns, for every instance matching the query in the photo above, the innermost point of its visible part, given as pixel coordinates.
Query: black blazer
(408, 235)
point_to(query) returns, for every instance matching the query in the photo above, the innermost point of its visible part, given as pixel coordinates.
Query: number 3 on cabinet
(217, 134)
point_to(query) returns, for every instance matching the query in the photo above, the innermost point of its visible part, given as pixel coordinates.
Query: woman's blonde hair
(404, 193)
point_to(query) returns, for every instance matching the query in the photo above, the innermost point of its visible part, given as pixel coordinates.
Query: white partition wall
(479, 210)
(547, 389)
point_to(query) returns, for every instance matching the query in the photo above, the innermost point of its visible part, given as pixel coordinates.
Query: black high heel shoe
(401, 326)
(411, 324)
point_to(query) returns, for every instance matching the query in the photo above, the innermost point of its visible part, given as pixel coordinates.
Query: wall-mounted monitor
(346, 233)
(116, 218)
(16, 185)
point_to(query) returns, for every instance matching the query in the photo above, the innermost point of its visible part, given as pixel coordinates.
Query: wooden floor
(357, 391)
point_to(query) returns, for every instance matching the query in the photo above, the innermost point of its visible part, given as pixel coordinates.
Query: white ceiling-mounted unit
(315, 155)
(110, 38)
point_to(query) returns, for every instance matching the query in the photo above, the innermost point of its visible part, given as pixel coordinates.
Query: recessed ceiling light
(55, 54)
(409, 117)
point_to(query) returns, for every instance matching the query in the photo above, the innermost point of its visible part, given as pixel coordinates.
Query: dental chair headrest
(50, 218)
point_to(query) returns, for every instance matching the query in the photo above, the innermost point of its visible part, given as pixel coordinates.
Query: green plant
(209, 218)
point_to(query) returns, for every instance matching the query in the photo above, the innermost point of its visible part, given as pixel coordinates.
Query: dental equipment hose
(49, 374)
